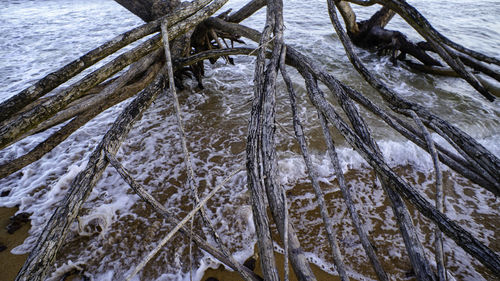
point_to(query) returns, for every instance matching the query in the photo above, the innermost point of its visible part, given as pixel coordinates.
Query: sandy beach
(10, 263)
(222, 274)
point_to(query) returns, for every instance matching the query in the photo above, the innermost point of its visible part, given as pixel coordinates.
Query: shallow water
(117, 229)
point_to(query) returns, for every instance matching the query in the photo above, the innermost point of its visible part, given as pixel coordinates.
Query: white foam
(216, 120)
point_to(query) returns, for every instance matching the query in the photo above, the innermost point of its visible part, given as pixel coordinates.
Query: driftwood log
(188, 34)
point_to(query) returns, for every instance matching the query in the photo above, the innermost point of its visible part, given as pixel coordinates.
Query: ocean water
(116, 229)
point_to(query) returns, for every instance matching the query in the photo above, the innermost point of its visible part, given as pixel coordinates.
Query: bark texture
(149, 10)
(195, 35)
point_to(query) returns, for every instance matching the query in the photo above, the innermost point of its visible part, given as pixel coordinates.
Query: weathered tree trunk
(42, 112)
(196, 37)
(149, 10)
(413, 245)
(372, 34)
(141, 73)
(313, 175)
(44, 253)
(56, 78)
(48, 244)
(453, 230)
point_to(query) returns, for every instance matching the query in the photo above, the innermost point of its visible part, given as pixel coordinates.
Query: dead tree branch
(195, 37)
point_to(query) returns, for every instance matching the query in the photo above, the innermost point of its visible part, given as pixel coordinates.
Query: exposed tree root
(194, 37)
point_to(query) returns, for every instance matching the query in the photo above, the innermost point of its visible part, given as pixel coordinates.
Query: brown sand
(10, 263)
(224, 275)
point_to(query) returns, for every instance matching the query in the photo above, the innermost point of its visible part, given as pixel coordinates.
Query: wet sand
(10, 263)
(396, 265)
(222, 274)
